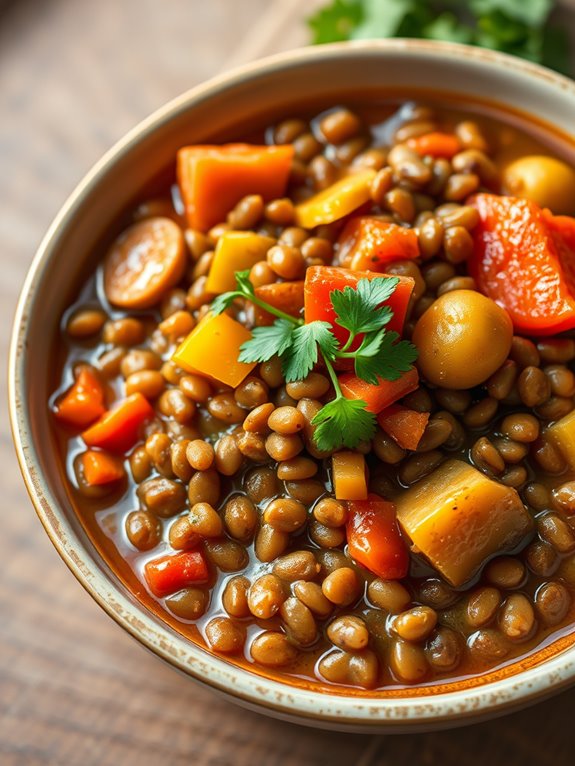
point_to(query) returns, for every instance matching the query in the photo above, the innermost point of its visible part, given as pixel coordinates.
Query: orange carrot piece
(405, 426)
(374, 539)
(379, 396)
(119, 429)
(83, 402)
(170, 573)
(435, 144)
(285, 296)
(367, 243)
(213, 179)
(101, 468)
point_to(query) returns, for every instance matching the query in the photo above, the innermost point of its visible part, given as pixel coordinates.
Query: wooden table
(75, 689)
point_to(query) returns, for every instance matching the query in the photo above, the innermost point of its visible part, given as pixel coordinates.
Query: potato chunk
(458, 518)
(562, 434)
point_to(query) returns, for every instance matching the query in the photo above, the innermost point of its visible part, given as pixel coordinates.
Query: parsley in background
(513, 26)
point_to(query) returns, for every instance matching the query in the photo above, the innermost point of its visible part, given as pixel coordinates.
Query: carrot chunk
(171, 573)
(100, 467)
(435, 144)
(369, 244)
(406, 427)
(374, 539)
(213, 179)
(83, 402)
(119, 429)
(378, 397)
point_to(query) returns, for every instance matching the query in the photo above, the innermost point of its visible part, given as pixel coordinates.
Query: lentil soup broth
(303, 621)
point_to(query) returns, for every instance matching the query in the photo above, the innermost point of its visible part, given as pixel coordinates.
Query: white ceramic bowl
(223, 109)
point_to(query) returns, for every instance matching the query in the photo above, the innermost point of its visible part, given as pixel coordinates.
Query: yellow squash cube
(349, 475)
(562, 434)
(338, 200)
(458, 518)
(235, 251)
(212, 349)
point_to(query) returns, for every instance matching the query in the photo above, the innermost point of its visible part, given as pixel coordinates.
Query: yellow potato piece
(212, 349)
(458, 518)
(338, 200)
(235, 251)
(562, 434)
(349, 476)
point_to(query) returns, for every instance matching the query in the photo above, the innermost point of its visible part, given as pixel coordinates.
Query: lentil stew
(306, 419)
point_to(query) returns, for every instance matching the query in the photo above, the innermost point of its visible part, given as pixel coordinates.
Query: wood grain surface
(74, 689)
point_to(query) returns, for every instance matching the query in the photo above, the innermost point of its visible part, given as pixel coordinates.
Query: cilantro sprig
(376, 353)
(512, 26)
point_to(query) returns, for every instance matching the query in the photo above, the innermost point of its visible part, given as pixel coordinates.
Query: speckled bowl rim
(285, 701)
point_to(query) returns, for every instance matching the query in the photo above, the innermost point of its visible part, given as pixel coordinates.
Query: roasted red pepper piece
(374, 539)
(83, 402)
(524, 259)
(370, 244)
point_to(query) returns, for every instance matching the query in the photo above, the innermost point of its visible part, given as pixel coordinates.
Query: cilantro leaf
(533, 13)
(447, 26)
(335, 22)
(243, 282)
(223, 302)
(302, 353)
(359, 309)
(267, 342)
(390, 362)
(343, 422)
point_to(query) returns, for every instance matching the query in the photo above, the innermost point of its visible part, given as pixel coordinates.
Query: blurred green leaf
(532, 13)
(448, 27)
(335, 23)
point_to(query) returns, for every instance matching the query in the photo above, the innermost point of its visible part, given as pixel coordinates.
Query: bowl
(225, 108)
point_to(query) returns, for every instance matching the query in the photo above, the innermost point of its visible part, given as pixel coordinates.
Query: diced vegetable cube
(458, 518)
(435, 144)
(213, 179)
(378, 397)
(367, 243)
(101, 467)
(349, 475)
(320, 281)
(374, 539)
(212, 349)
(562, 434)
(285, 296)
(119, 429)
(335, 202)
(171, 573)
(235, 251)
(83, 402)
(406, 427)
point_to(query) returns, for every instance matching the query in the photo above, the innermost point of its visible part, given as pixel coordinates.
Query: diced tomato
(367, 243)
(285, 296)
(406, 427)
(320, 281)
(213, 179)
(435, 144)
(119, 429)
(378, 397)
(83, 402)
(524, 259)
(101, 468)
(171, 573)
(374, 539)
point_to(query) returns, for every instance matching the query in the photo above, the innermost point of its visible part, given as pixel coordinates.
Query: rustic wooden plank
(74, 689)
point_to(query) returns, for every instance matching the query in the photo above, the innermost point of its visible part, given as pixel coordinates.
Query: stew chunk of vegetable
(458, 518)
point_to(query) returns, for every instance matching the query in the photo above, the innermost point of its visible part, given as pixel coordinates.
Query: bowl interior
(222, 110)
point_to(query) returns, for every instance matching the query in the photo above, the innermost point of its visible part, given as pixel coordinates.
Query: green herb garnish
(380, 354)
(514, 26)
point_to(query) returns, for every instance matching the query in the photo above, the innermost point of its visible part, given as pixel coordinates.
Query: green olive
(545, 180)
(462, 338)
